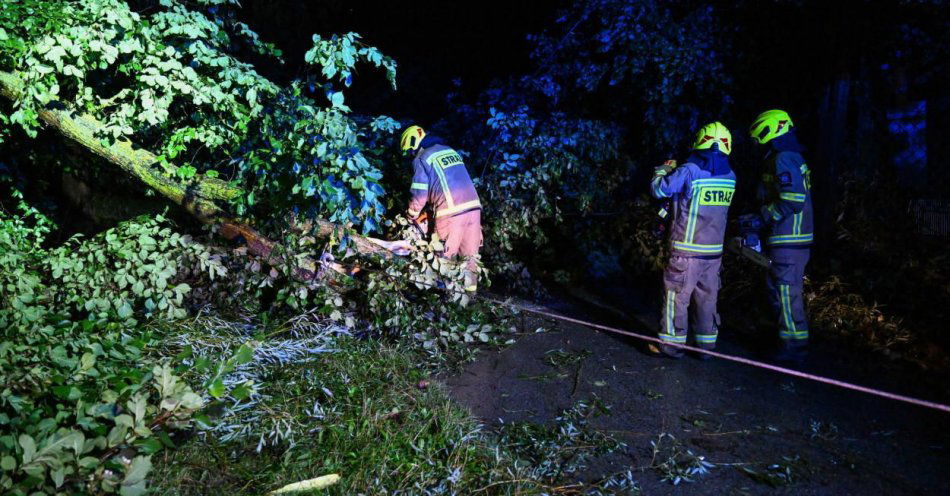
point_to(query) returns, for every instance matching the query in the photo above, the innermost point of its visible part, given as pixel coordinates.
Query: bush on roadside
(83, 406)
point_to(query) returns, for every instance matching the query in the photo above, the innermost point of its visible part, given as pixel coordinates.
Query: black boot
(790, 354)
(665, 351)
(702, 356)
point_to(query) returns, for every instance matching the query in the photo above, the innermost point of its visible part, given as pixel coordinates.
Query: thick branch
(84, 129)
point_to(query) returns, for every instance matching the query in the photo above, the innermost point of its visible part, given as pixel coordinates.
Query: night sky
(434, 43)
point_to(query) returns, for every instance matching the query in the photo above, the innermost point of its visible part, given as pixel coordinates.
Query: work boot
(790, 354)
(665, 351)
(702, 356)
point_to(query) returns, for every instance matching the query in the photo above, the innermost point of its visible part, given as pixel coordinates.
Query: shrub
(82, 403)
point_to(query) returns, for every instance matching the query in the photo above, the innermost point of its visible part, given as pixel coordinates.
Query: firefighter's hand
(751, 239)
(665, 169)
(750, 223)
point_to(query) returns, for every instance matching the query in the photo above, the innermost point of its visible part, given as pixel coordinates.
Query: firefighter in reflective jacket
(441, 181)
(787, 216)
(702, 190)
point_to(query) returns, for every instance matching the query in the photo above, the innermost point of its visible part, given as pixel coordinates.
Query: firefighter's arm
(791, 188)
(669, 181)
(419, 190)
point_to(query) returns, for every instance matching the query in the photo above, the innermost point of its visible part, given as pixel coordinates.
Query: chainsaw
(737, 246)
(748, 245)
(421, 223)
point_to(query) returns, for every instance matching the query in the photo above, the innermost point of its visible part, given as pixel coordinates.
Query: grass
(377, 428)
(367, 410)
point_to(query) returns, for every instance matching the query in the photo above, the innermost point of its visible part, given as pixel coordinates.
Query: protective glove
(665, 169)
(749, 226)
(751, 239)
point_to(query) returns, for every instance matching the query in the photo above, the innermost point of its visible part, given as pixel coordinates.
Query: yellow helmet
(411, 138)
(770, 125)
(711, 133)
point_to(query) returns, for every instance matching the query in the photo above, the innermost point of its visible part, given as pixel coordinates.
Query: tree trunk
(200, 197)
(833, 113)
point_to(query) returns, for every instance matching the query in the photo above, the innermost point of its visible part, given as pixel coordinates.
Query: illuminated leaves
(338, 55)
(167, 77)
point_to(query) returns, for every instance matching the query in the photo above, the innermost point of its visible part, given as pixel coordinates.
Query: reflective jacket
(786, 192)
(440, 179)
(700, 208)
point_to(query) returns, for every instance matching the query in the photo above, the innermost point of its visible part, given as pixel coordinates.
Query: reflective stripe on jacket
(700, 205)
(440, 179)
(787, 193)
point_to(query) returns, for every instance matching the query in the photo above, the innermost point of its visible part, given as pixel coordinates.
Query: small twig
(630, 433)
(712, 434)
(577, 377)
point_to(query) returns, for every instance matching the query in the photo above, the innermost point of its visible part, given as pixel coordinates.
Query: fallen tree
(232, 148)
(202, 196)
(159, 91)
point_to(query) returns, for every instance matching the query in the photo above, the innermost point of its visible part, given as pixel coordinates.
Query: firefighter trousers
(691, 290)
(461, 236)
(786, 283)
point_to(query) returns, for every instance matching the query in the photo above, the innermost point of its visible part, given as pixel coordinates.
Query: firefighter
(701, 190)
(441, 182)
(786, 216)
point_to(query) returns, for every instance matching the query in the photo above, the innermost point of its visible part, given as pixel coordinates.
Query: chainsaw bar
(735, 245)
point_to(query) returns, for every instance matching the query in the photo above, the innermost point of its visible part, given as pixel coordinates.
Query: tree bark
(200, 197)
(833, 112)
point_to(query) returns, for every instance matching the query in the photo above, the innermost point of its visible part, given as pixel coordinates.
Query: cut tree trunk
(202, 197)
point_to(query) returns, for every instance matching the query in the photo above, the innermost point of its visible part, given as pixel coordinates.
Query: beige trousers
(462, 237)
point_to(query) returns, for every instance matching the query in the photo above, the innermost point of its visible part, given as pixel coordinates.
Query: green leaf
(58, 476)
(7, 463)
(125, 310)
(245, 353)
(191, 401)
(241, 392)
(166, 440)
(116, 436)
(186, 352)
(149, 446)
(29, 448)
(125, 420)
(216, 389)
(337, 99)
(87, 361)
(134, 482)
(186, 172)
